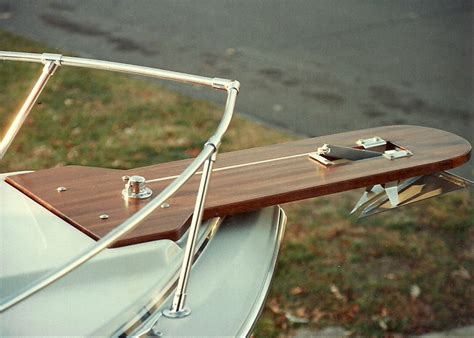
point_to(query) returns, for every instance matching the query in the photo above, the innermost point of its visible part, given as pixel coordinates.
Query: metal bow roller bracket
(330, 154)
(390, 195)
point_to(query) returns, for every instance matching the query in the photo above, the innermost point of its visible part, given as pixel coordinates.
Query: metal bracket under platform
(379, 198)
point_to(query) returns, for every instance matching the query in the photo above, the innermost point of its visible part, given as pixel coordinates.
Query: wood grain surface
(242, 181)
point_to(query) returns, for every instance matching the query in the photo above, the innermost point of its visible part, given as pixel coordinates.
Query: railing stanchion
(205, 158)
(48, 70)
(178, 308)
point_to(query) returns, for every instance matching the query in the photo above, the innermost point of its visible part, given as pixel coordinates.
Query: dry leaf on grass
(415, 291)
(316, 315)
(461, 273)
(274, 306)
(335, 291)
(296, 291)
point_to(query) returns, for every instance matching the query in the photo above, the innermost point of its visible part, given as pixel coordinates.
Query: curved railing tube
(215, 83)
(208, 154)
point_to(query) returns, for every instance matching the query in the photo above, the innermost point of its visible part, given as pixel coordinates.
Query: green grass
(372, 266)
(332, 271)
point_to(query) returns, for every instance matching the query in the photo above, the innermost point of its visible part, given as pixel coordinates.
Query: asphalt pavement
(310, 67)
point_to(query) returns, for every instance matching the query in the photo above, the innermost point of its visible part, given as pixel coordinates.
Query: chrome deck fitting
(135, 187)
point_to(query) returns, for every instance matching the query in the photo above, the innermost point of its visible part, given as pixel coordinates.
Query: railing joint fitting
(224, 84)
(218, 83)
(216, 147)
(234, 85)
(55, 58)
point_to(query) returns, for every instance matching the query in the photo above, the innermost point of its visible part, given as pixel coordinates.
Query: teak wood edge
(274, 175)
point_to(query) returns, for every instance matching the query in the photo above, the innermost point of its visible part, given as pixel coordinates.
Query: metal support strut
(50, 66)
(178, 308)
(391, 195)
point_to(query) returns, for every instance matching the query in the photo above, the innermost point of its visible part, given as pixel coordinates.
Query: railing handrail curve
(209, 151)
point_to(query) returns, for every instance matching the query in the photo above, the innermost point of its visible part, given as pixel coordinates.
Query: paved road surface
(312, 67)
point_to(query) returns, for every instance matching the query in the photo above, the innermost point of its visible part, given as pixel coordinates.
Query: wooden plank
(242, 181)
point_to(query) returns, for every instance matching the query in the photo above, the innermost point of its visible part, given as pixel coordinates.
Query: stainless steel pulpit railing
(205, 158)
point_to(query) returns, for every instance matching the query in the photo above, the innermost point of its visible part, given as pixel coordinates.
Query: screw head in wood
(104, 216)
(61, 189)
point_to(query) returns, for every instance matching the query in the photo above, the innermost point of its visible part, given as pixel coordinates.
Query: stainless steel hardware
(231, 87)
(326, 154)
(371, 142)
(385, 197)
(339, 152)
(396, 153)
(135, 188)
(178, 308)
(49, 68)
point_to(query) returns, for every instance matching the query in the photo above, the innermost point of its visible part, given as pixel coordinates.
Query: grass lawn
(404, 272)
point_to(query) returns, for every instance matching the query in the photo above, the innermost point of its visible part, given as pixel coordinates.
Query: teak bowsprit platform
(242, 181)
